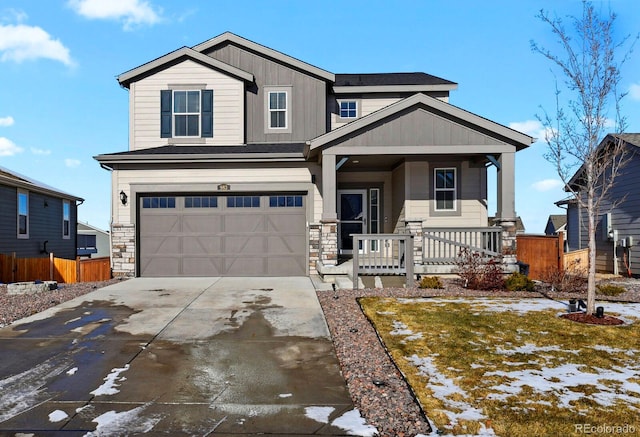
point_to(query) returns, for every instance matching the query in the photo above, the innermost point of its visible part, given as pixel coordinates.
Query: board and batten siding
(308, 100)
(45, 224)
(207, 180)
(144, 107)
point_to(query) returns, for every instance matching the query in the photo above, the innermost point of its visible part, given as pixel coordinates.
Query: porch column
(506, 214)
(329, 221)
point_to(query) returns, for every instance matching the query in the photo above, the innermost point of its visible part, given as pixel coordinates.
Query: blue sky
(60, 103)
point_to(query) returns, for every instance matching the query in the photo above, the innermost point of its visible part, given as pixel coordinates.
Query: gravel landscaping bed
(376, 386)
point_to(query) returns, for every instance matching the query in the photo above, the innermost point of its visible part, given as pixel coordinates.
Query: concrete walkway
(188, 356)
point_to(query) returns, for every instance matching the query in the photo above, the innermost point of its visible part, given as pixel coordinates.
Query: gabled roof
(390, 82)
(86, 227)
(632, 139)
(13, 179)
(557, 221)
(229, 37)
(516, 138)
(182, 53)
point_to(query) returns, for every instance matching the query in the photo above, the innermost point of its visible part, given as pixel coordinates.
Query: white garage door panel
(223, 240)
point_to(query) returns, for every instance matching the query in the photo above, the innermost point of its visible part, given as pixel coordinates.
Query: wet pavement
(190, 356)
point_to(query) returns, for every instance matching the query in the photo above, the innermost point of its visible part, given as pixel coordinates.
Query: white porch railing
(383, 254)
(442, 245)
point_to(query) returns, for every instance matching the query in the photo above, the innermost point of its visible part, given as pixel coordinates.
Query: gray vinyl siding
(45, 224)
(308, 100)
(573, 227)
(625, 218)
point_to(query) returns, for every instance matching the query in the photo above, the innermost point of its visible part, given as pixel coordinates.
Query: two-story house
(244, 161)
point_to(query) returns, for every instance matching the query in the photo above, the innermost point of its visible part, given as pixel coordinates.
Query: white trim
(20, 192)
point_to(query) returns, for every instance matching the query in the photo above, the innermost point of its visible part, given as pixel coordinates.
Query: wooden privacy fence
(13, 269)
(543, 253)
(577, 261)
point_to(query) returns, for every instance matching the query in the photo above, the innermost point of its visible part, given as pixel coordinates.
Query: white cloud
(72, 163)
(44, 152)
(131, 12)
(8, 147)
(634, 91)
(530, 127)
(547, 185)
(21, 42)
(6, 121)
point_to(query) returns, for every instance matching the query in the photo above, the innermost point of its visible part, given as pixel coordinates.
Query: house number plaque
(223, 187)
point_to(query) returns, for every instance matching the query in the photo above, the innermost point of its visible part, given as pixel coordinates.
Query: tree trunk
(591, 278)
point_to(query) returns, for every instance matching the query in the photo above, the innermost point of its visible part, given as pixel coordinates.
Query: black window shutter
(165, 113)
(207, 114)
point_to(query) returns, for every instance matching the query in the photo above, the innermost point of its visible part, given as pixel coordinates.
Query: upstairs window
(23, 214)
(349, 109)
(445, 189)
(278, 110)
(66, 219)
(186, 113)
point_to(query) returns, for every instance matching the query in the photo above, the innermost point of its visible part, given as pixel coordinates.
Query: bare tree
(589, 63)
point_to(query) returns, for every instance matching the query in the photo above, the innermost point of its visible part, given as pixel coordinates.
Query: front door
(352, 217)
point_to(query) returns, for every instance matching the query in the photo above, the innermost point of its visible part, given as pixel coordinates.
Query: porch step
(346, 283)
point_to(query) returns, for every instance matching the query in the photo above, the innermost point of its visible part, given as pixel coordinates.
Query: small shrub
(430, 282)
(519, 282)
(478, 272)
(609, 290)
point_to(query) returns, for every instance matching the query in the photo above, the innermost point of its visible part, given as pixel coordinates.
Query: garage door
(212, 235)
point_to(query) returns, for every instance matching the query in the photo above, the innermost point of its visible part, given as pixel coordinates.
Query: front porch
(431, 251)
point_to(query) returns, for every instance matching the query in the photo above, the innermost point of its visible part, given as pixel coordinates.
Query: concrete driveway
(187, 356)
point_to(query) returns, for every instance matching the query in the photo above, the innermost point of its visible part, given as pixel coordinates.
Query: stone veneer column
(314, 247)
(123, 250)
(329, 242)
(509, 244)
(414, 227)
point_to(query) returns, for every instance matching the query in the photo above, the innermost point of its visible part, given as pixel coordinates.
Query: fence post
(408, 248)
(13, 267)
(51, 266)
(356, 262)
(78, 270)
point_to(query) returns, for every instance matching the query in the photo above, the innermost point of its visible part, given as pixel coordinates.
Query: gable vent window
(278, 110)
(348, 109)
(186, 113)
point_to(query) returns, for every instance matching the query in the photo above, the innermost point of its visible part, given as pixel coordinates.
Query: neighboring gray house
(36, 219)
(620, 226)
(557, 224)
(93, 242)
(245, 161)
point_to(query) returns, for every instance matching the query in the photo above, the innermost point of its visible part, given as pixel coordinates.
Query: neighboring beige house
(93, 242)
(244, 161)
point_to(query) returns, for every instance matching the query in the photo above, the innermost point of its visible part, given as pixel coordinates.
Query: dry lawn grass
(511, 367)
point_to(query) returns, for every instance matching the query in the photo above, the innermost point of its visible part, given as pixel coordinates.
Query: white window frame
(355, 102)
(66, 218)
(24, 193)
(186, 114)
(453, 189)
(268, 91)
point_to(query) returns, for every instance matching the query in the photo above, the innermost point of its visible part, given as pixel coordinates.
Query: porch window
(445, 189)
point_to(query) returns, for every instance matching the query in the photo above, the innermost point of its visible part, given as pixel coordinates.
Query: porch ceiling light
(123, 197)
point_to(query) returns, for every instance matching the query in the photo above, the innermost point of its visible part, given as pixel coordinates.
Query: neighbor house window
(445, 189)
(23, 214)
(277, 109)
(66, 219)
(348, 109)
(186, 113)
